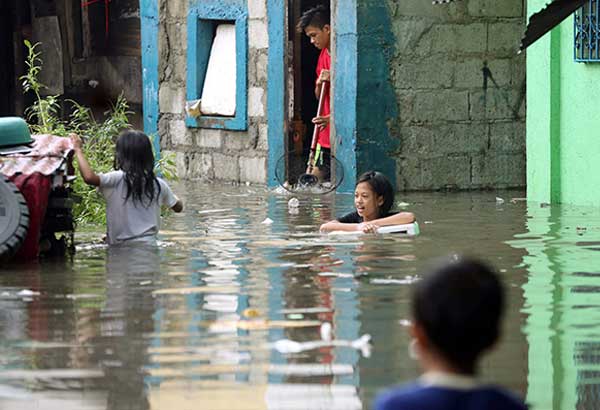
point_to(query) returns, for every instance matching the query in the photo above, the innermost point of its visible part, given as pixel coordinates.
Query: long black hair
(382, 187)
(135, 158)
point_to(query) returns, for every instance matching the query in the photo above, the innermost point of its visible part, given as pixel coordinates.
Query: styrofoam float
(404, 230)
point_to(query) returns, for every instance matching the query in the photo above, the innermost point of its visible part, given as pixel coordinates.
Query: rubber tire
(14, 218)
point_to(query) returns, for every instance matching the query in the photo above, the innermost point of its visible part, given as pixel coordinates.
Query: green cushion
(14, 131)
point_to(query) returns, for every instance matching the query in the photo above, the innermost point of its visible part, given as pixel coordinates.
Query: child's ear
(327, 29)
(418, 333)
(380, 200)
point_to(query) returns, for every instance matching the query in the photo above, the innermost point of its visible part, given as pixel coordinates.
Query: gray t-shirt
(126, 220)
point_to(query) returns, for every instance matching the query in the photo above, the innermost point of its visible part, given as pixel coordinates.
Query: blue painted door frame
(344, 86)
(363, 44)
(359, 67)
(150, 85)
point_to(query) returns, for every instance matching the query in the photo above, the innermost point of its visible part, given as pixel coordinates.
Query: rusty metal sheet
(47, 155)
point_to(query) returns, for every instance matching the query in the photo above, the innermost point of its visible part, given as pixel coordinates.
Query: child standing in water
(315, 23)
(456, 312)
(373, 199)
(133, 193)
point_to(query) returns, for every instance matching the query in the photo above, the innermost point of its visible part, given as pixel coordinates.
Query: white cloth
(126, 220)
(219, 91)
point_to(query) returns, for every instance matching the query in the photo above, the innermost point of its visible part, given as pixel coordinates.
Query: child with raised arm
(373, 199)
(132, 192)
(456, 312)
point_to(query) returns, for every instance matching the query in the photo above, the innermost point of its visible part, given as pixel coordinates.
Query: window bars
(587, 32)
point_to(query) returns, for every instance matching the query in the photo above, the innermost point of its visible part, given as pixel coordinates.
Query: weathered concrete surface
(210, 154)
(448, 84)
(460, 87)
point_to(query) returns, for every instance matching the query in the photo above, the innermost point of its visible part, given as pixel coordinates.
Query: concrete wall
(211, 153)
(562, 147)
(450, 130)
(434, 126)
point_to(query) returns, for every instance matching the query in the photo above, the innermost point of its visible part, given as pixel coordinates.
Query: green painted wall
(563, 126)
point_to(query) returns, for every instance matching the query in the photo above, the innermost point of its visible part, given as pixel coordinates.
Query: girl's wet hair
(459, 305)
(381, 186)
(318, 17)
(135, 158)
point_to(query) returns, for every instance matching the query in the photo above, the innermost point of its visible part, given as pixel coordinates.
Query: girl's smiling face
(367, 202)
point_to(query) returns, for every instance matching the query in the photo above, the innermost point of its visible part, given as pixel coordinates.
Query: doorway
(302, 63)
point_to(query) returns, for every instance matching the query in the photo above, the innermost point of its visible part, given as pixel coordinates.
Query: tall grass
(44, 117)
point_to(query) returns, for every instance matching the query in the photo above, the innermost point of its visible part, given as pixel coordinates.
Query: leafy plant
(44, 111)
(99, 136)
(99, 149)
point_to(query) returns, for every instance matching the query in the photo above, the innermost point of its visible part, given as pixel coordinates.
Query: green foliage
(166, 166)
(99, 149)
(99, 137)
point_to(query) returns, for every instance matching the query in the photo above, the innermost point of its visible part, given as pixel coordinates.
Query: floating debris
(267, 221)
(286, 346)
(28, 293)
(405, 322)
(326, 331)
(389, 281)
(251, 313)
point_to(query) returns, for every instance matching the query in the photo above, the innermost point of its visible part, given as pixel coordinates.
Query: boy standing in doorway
(315, 23)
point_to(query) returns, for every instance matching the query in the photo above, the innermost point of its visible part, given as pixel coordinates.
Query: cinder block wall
(454, 129)
(211, 154)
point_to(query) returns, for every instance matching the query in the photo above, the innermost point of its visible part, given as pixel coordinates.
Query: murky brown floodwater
(193, 324)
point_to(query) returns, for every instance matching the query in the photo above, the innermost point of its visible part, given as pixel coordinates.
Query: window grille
(587, 32)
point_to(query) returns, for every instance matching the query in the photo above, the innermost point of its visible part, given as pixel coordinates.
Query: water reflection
(192, 323)
(132, 273)
(562, 305)
(249, 285)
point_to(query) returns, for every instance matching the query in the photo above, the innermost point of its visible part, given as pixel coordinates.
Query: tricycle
(36, 197)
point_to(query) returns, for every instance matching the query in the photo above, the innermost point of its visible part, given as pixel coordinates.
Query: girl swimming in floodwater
(133, 193)
(373, 199)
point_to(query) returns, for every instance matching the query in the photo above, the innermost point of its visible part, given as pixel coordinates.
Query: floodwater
(207, 320)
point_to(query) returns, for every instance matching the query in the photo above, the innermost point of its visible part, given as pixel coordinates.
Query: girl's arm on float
(401, 218)
(332, 226)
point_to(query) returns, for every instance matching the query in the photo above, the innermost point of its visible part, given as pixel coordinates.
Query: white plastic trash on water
(363, 344)
(293, 203)
(326, 332)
